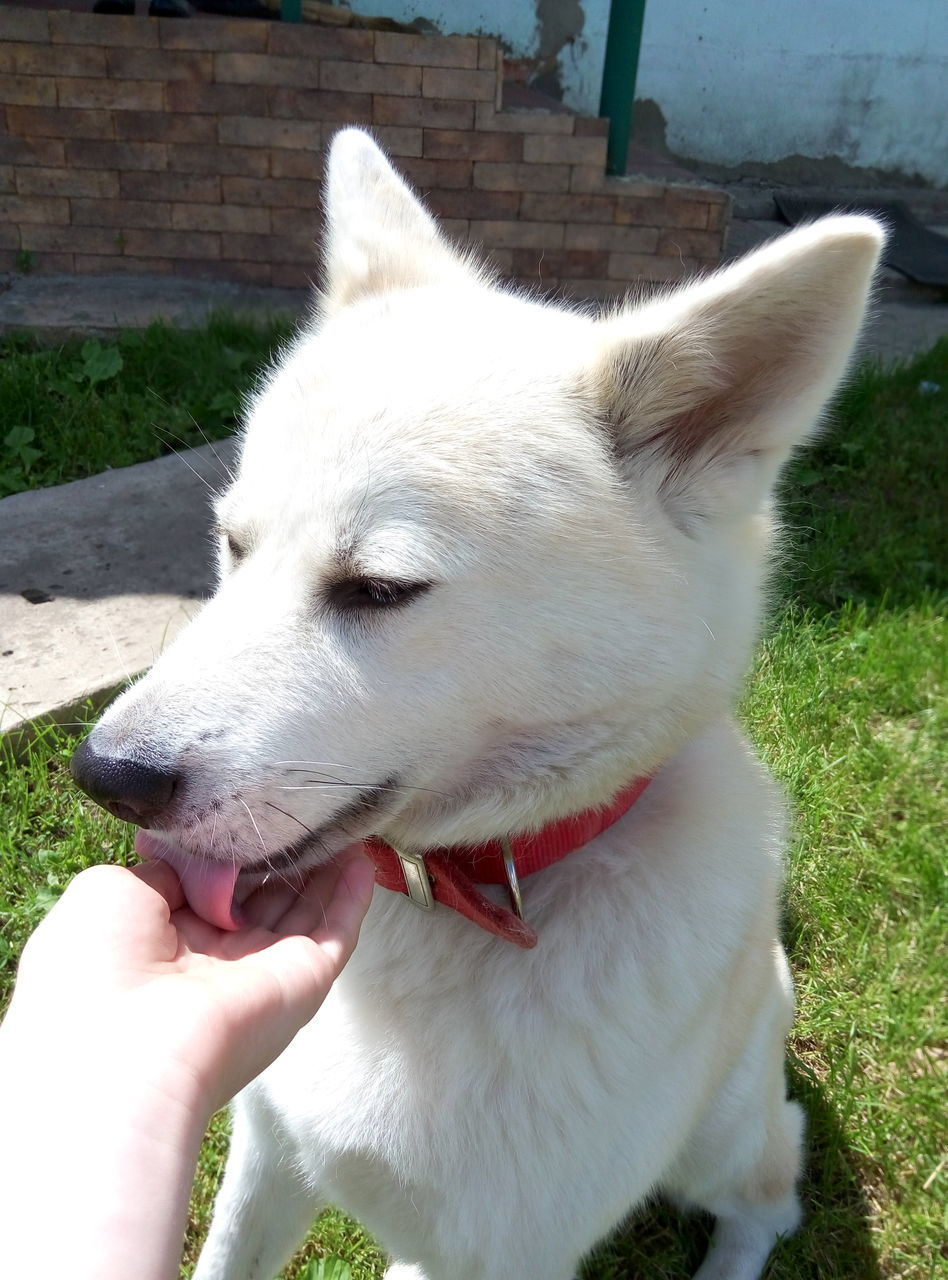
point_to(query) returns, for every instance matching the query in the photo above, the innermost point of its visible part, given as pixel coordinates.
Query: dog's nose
(133, 791)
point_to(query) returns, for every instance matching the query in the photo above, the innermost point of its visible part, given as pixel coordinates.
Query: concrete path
(98, 575)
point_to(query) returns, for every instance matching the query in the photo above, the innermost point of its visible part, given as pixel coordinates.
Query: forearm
(96, 1169)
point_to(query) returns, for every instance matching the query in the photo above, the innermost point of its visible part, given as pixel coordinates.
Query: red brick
(50, 60)
(422, 111)
(217, 99)
(27, 91)
(719, 215)
(121, 214)
(94, 264)
(49, 209)
(457, 230)
(398, 140)
(690, 244)
(24, 24)
(159, 126)
(475, 204)
(262, 68)
(48, 151)
(285, 275)
(171, 244)
(299, 247)
(591, 127)
(243, 131)
(645, 211)
(568, 208)
(518, 235)
(522, 177)
(560, 264)
(159, 64)
(73, 239)
(220, 217)
(629, 266)
(426, 51)
(452, 175)
(54, 122)
(306, 165)
(67, 182)
(588, 235)
(498, 260)
(191, 187)
(53, 264)
(247, 162)
(91, 153)
(487, 54)
(535, 122)
(214, 36)
(240, 272)
(364, 77)
(9, 235)
(456, 144)
(119, 95)
(7, 183)
(586, 177)
(276, 193)
(543, 149)
(10, 260)
(685, 213)
(319, 104)
(103, 30)
(320, 43)
(476, 86)
(633, 188)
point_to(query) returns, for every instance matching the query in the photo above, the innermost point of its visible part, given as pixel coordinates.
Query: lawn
(847, 704)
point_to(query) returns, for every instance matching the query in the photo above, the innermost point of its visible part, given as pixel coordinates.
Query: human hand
(122, 972)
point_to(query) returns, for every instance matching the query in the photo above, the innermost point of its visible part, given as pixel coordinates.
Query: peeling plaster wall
(756, 81)
(565, 39)
(746, 81)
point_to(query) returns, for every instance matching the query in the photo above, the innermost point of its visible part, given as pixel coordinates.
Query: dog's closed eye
(363, 593)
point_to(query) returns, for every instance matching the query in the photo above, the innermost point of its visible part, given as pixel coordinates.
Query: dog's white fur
(591, 501)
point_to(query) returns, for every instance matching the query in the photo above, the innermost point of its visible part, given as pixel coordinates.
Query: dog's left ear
(378, 235)
(708, 391)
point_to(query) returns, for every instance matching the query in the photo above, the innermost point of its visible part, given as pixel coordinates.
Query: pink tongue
(208, 886)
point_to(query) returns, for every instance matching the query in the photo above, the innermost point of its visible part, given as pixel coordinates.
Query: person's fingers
(335, 899)
(161, 877)
(266, 907)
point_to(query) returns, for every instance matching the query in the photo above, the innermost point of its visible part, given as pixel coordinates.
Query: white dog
(489, 564)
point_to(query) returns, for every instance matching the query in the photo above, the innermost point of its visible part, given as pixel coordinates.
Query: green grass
(84, 406)
(848, 706)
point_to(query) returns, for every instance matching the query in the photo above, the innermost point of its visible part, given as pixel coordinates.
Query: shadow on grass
(864, 508)
(834, 1242)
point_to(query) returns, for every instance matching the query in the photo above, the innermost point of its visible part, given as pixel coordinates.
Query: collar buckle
(417, 879)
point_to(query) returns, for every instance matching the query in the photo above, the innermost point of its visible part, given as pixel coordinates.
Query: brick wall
(194, 147)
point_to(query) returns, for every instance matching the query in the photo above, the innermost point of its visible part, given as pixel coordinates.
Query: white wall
(862, 81)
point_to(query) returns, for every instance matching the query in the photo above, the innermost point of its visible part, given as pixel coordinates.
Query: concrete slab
(99, 305)
(97, 576)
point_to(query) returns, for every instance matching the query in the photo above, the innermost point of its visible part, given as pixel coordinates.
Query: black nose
(133, 791)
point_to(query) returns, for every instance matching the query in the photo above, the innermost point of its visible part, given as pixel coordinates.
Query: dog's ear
(378, 236)
(708, 390)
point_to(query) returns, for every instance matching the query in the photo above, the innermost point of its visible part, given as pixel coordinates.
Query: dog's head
(484, 558)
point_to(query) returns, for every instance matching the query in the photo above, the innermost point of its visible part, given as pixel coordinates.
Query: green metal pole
(291, 10)
(618, 77)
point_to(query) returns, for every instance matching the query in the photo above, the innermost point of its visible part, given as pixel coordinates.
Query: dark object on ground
(918, 253)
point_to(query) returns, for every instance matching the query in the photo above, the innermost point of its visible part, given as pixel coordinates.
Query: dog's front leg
(263, 1209)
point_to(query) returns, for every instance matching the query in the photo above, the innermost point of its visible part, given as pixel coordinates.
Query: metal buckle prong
(513, 884)
(417, 881)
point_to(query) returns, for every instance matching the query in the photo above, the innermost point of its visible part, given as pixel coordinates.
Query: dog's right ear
(378, 235)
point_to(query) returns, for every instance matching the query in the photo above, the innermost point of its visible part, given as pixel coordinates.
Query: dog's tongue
(208, 886)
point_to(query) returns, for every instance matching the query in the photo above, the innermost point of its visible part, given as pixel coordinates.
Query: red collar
(451, 875)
